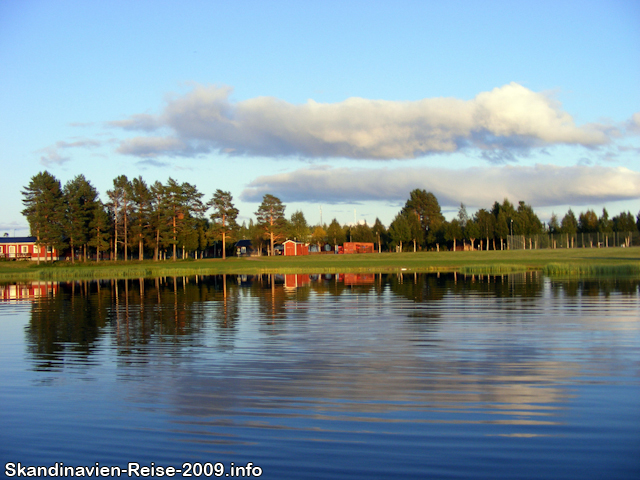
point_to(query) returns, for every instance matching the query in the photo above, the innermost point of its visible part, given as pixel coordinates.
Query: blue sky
(339, 106)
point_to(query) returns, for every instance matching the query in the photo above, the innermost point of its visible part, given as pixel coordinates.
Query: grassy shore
(590, 261)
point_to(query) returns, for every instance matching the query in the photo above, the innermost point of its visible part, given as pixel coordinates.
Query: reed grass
(493, 269)
(596, 261)
(556, 269)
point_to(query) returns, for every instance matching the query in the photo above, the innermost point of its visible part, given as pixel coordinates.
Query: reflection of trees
(269, 290)
(328, 284)
(434, 287)
(417, 287)
(603, 286)
(138, 312)
(67, 324)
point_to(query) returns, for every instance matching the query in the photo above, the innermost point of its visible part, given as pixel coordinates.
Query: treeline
(173, 220)
(158, 218)
(421, 223)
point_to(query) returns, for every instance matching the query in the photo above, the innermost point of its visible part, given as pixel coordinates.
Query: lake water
(325, 376)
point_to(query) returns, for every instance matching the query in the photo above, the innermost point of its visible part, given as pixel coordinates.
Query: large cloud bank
(540, 185)
(507, 119)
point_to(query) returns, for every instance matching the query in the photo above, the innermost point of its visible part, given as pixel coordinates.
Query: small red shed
(293, 248)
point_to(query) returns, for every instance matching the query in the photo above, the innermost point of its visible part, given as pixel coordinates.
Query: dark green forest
(176, 221)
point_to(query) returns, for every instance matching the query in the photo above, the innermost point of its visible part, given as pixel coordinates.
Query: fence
(576, 240)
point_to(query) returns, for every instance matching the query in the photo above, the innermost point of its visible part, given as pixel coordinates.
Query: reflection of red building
(358, 247)
(292, 248)
(27, 291)
(359, 278)
(295, 281)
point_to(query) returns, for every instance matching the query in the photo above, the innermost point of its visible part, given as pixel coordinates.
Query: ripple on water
(412, 377)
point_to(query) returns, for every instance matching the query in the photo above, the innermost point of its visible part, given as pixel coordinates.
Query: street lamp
(512, 227)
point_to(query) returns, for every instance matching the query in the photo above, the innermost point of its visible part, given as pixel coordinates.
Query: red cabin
(292, 248)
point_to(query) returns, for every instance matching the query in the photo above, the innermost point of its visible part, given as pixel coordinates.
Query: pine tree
(44, 209)
(318, 236)
(453, 231)
(141, 214)
(99, 227)
(399, 230)
(426, 206)
(183, 204)
(380, 232)
(604, 224)
(159, 221)
(224, 217)
(271, 219)
(120, 208)
(471, 232)
(335, 232)
(298, 228)
(569, 223)
(492, 224)
(588, 222)
(80, 198)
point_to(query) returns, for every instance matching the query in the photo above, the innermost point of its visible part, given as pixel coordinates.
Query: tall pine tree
(271, 219)
(80, 201)
(224, 217)
(44, 208)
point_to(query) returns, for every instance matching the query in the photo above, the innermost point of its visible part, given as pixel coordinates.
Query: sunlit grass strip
(494, 269)
(555, 269)
(611, 261)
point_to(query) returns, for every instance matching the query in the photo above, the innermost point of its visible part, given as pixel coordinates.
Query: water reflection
(12, 292)
(291, 367)
(75, 314)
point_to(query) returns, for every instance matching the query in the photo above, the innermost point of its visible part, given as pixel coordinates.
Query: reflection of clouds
(362, 361)
(404, 349)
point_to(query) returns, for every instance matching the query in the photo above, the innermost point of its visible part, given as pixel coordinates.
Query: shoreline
(587, 261)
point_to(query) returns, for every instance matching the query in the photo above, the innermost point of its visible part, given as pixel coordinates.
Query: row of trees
(420, 221)
(171, 219)
(158, 217)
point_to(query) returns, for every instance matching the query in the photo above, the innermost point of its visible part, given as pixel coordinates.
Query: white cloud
(141, 121)
(151, 146)
(508, 119)
(540, 185)
(52, 155)
(633, 125)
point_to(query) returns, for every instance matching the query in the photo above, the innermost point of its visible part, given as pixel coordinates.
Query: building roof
(18, 239)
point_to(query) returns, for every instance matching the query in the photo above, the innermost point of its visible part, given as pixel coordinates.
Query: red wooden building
(25, 248)
(292, 248)
(358, 247)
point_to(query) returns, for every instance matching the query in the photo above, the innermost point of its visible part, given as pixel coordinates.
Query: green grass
(589, 261)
